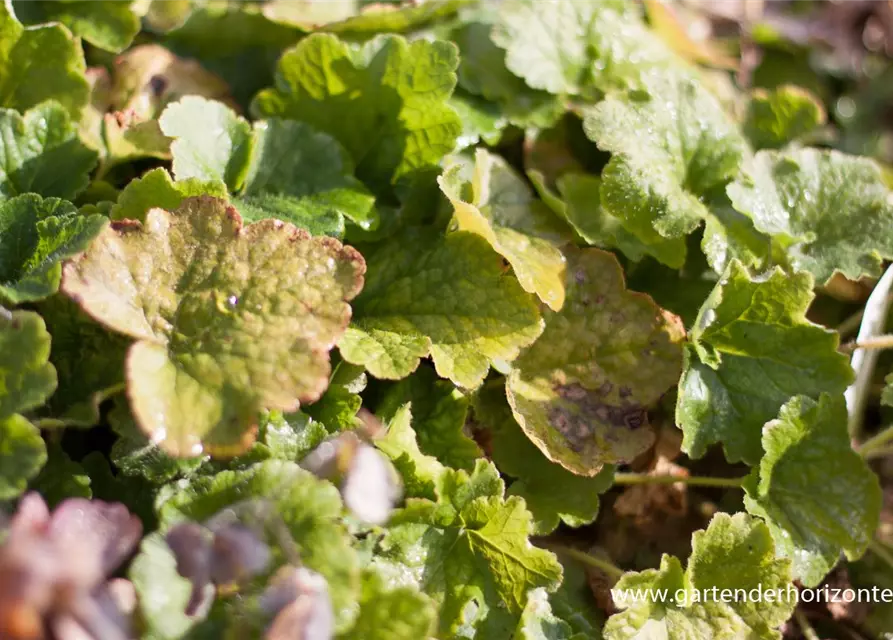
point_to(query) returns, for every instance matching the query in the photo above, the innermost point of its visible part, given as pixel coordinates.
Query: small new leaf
(828, 211)
(735, 552)
(447, 297)
(817, 495)
(751, 350)
(582, 391)
(228, 319)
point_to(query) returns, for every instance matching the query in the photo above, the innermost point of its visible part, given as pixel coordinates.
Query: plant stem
(700, 481)
(851, 324)
(805, 626)
(882, 552)
(877, 342)
(876, 442)
(595, 562)
(864, 360)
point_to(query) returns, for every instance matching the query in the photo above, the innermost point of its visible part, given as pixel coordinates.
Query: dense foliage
(336, 319)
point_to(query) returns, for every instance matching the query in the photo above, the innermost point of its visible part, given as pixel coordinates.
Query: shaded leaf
(22, 454)
(109, 25)
(783, 115)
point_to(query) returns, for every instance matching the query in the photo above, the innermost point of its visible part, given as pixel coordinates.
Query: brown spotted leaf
(227, 319)
(582, 391)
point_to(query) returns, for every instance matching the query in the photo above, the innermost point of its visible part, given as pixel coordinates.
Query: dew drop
(232, 301)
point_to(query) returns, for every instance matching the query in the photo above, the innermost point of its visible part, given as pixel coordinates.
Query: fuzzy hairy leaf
(751, 350)
(470, 545)
(385, 102)
(673, 145)
(40, 63)
(582, 391)
(580, 45)
(828, 211)
(501, 209)
(41, 153)
(388, 613)
(109, 25)
(36, 235)
(734, 552)
(447, 297)
(228, 319)
(817, 495)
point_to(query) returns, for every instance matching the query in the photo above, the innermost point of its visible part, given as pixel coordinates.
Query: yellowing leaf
(582, 391)
(228, 320)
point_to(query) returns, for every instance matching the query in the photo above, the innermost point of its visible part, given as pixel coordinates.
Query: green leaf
(40, 153)
(817, 495)
(470, 548)
(778, 117)
(61, 478)
(40, 63)
(385, 102)
(481, 120)
(551, 492)
(573, 601)
(291, 436)
(22, 453)
(156, 188)
(337, 408)
(672, 145)
(36, 235)
(582, 391)
(310, 508)
(828, 211)
(88, 359)
(228, 320)
(439, 410)
(278, 168)
(380, 18)
(735, 552)
(163, 593)
(501, 209)
(447, 297)
(420, 472)
(27, 379)
(580, 205)
(751, 350)
(579, 45)
(109, 25)
(388, 613)
(539, 623)
(482, 72)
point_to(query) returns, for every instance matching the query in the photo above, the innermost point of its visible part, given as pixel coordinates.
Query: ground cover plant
(445, 319)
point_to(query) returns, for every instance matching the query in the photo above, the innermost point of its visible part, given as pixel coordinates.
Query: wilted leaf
(582, 391)
(36, 235)
(447, 297)
(385, 102)
(502, 209)
(817, 495)
(827, 211)
(751, 350)
(228, 320)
